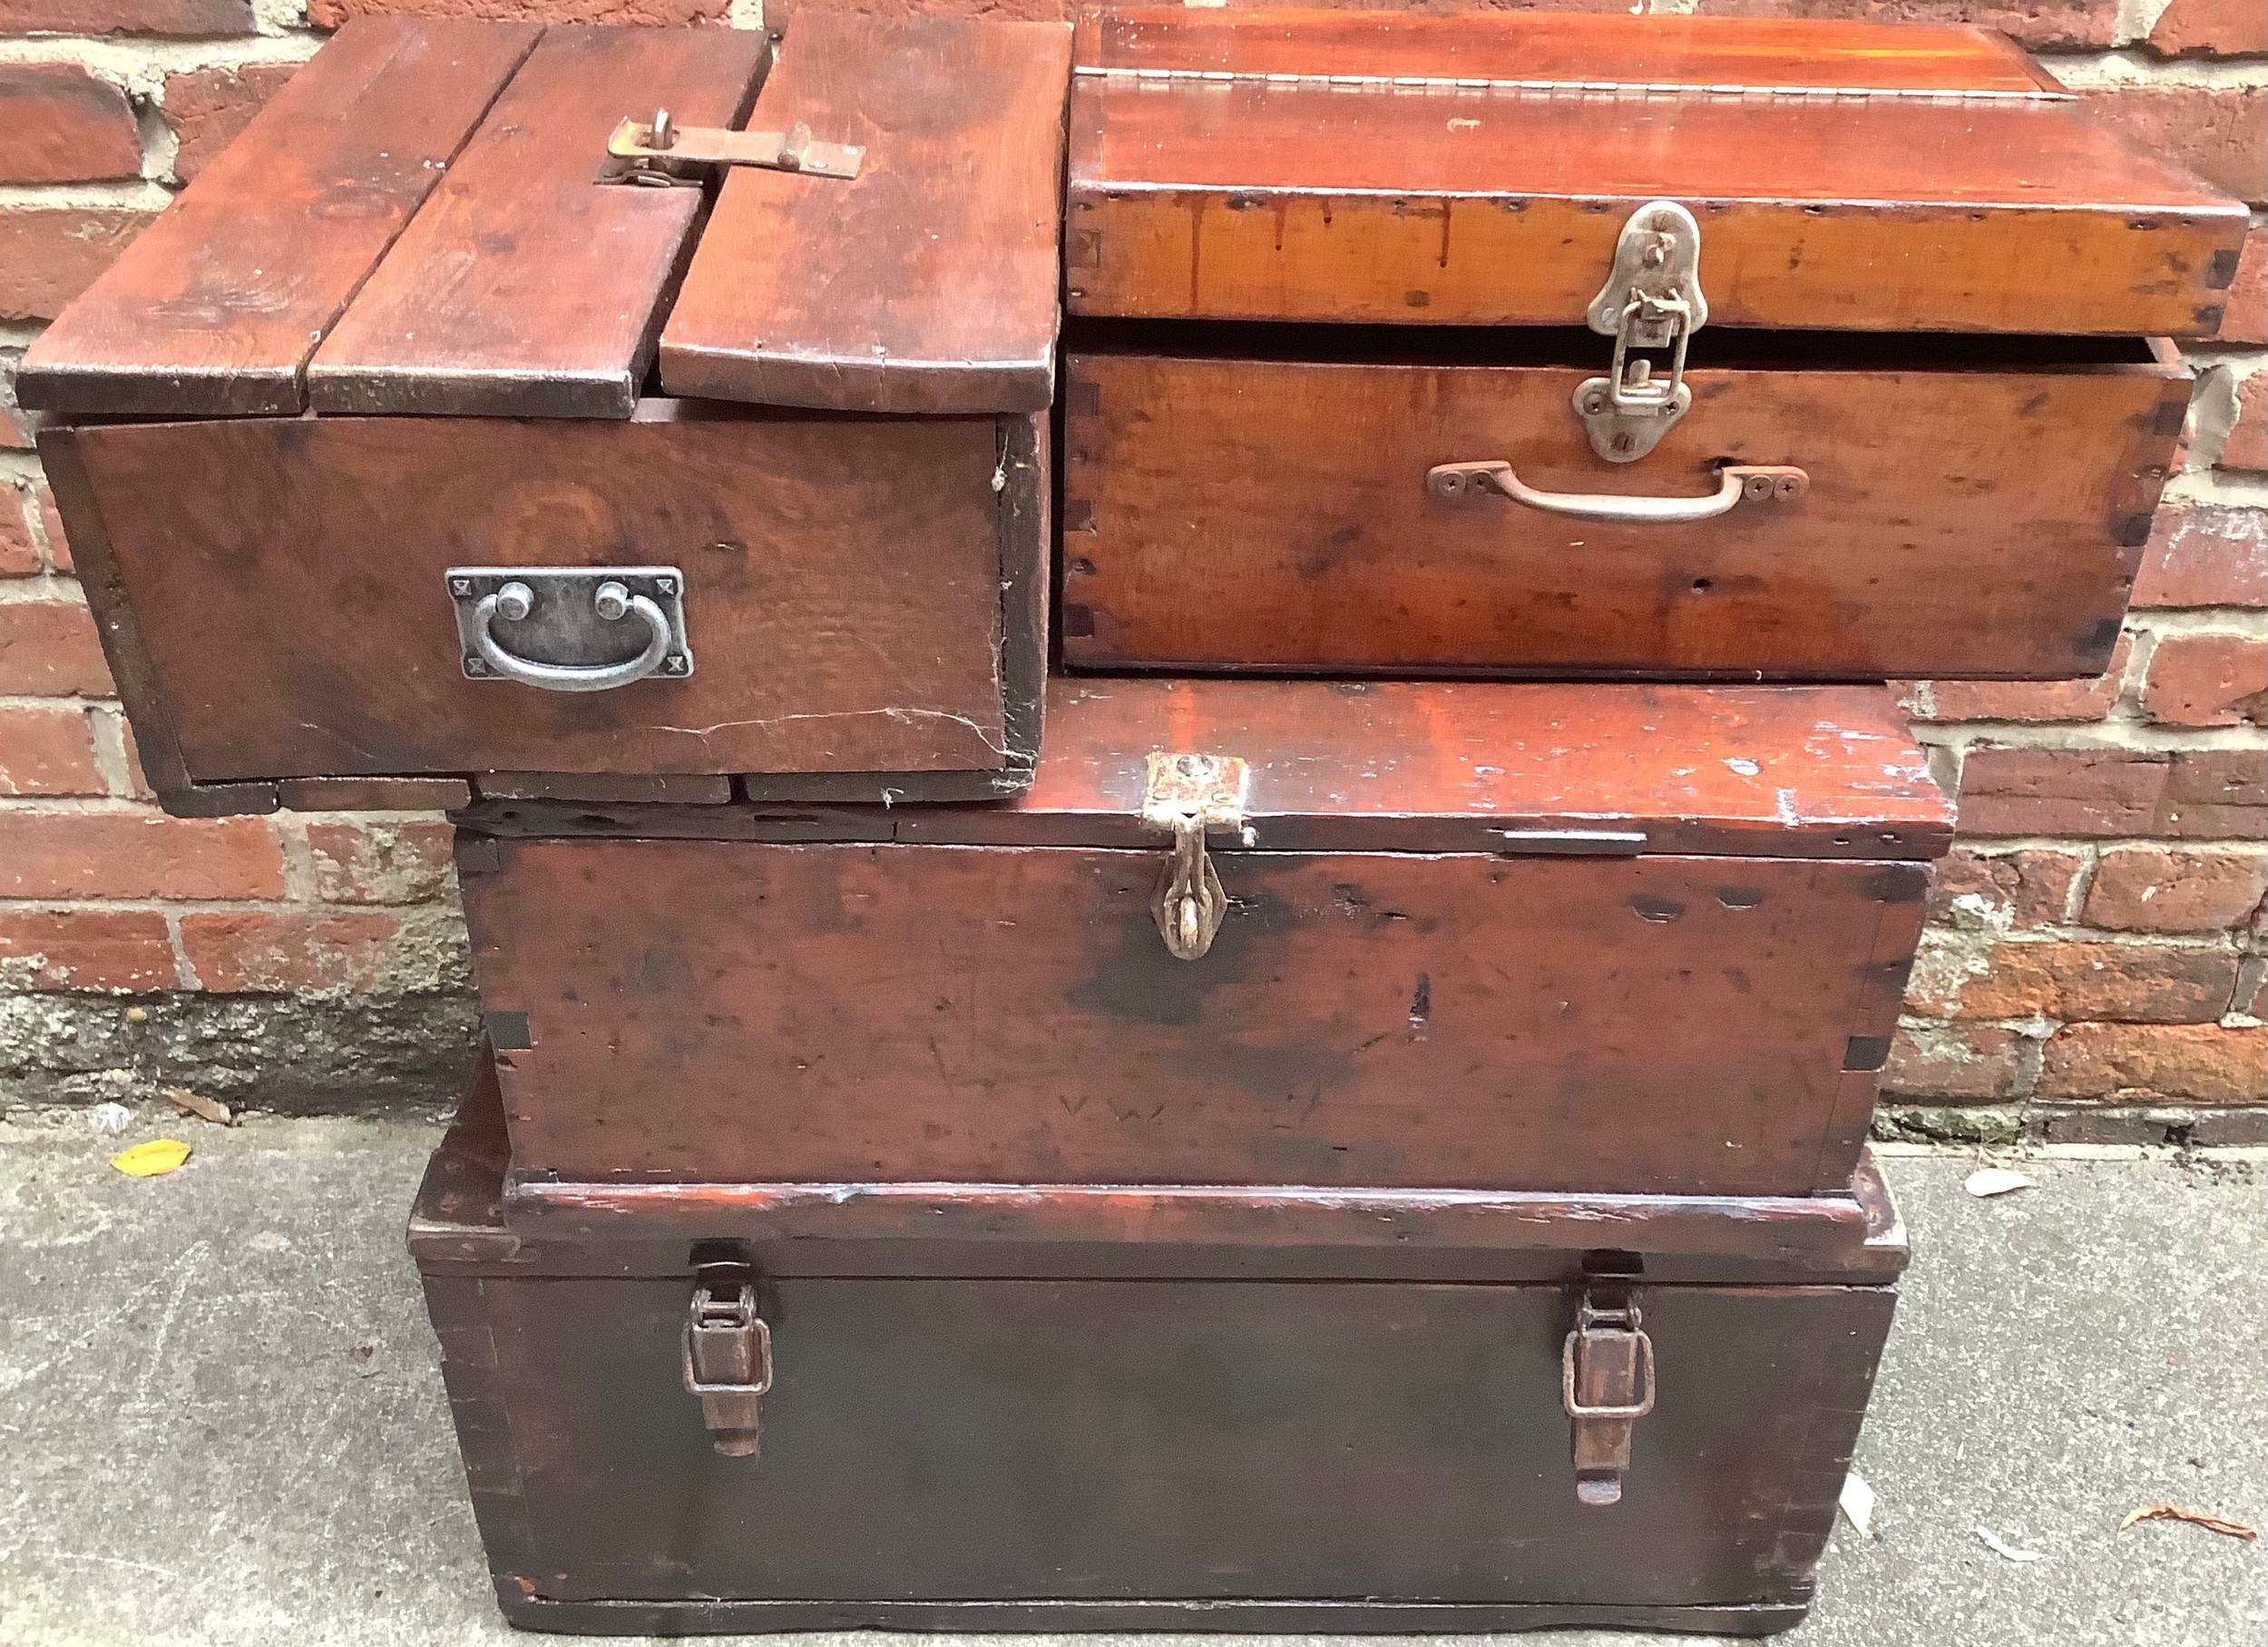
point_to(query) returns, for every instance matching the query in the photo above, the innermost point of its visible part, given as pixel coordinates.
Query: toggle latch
(1652, 302)
(1607, 1385)
(728, 1358)
(1186, 795)
(661, 153)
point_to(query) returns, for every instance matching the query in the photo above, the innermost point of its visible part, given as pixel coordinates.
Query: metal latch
(1607, 1385)
(1187, 795)
(1652, 302)
(728, 1358)
(661, 153)
(570, 629)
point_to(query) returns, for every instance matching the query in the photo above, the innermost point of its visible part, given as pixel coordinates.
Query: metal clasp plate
(1186, 795)
(727, 1360)
(1605, 1384)
(1651, 302)
(570, 629)
(662, 152)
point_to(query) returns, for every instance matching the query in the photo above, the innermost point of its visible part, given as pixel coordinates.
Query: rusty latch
(1607, 1385)
(728, 1358)
(660, 152)
(1186, 795)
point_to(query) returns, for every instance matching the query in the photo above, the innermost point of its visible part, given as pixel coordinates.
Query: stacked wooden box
(1362, 1125)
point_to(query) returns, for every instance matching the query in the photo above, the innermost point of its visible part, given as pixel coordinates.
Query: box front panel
(841, 601)
(1271, 513)
(969, 1440)
(722, 1011)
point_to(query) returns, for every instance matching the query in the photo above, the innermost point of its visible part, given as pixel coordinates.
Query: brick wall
(2095, 968)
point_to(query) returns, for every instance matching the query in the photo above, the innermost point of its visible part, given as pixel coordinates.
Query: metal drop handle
(613, 603)
(1755, 483)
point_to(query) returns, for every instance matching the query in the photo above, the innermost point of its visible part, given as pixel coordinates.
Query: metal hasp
(659, 152)
(570, 628)
(1607, 1385)
(728, 1358)
(1652, 302)
(1185, 795)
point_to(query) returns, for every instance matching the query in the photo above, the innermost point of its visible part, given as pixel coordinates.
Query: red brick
(2218, 132)
(290, 950)
(2206, 554)
(48, 649)
(2246, 448)
(2216, 28)
(2137, 890)
(331, 13)
(405, 862)
(2154, 1063)
(2081, 792)
(2033, 700)
(2208, 680)
(1965, 1063)
(124, 951)
(50, 527)
(54, 854)
(2066, 979)
(2027, 888)
(2245, 319)
(19, 556)
(66, 126)
(2213, 795)
(48, 256)
(208, 107)
(126, 17)
(45, 749)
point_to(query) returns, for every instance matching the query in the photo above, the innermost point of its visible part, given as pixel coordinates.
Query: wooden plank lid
(1480, 169)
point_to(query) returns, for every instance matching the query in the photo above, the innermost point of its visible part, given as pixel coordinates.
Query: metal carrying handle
(613, 602)
(1756, 483)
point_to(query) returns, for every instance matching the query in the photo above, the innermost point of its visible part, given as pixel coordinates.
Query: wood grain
(1245, 200)
(214, 309)
(525, 288)
(1228, 512)
(844, 589)
(929, 282)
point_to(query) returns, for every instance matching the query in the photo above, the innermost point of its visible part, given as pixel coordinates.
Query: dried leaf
(2006, 1550)
(1994, 1181)
(2195, 1518)
(197, 1104)
(150, 1159)
(1857, 1502)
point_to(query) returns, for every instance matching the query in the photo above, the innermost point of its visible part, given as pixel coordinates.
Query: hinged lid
(1480, 169)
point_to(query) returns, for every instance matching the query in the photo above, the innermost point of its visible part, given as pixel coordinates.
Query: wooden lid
(1478, 168)
(416, 224)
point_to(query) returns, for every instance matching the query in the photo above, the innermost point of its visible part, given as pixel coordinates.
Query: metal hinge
(1186, 795)
(728, 1358)
(661, 152)
(1607, 1385)
(1651, 302)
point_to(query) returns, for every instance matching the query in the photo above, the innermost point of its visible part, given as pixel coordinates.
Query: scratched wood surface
(843, 603)
(929, 282)
(1225, 512)
(525, 286)
(1245, 200)
(213, 310)
(738, 1010)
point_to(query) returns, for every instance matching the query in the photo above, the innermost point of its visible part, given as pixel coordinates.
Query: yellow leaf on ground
(149, 1159)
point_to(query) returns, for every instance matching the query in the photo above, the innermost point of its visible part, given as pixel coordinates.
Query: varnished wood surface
(1248, 200)
(214, 309)
(741, 1012)
(523, 286)
(929, 282)
(1227, 513)
(843, 589)
(1564, 48)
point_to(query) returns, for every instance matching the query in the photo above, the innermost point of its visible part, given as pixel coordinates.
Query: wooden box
(448, 430)
(1599, 346)
(985, 1412)
(1494, 936)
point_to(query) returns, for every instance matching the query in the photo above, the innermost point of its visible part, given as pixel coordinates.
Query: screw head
(514, 601)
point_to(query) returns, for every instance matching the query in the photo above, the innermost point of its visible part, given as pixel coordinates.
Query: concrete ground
(221, 1421)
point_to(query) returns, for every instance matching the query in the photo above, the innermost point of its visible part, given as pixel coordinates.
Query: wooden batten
(927, 282)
